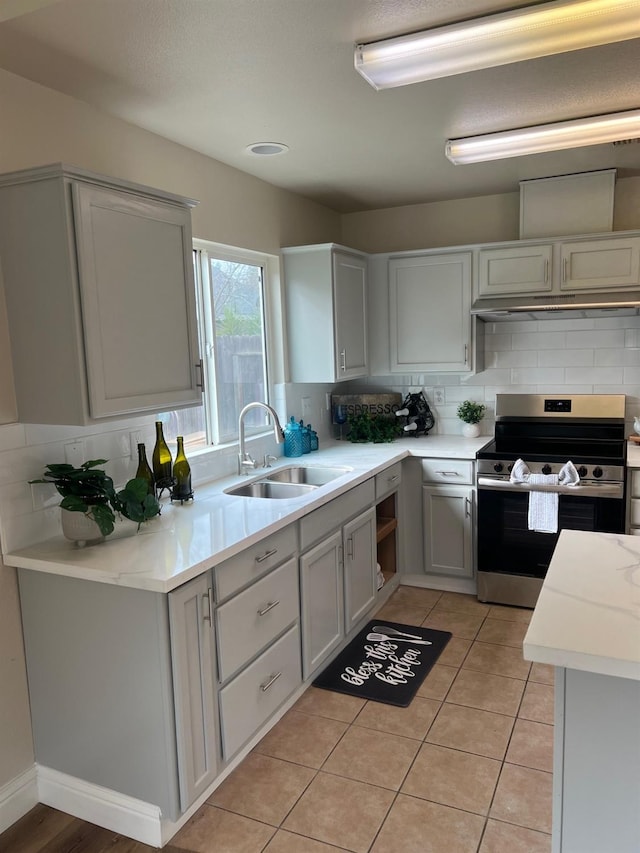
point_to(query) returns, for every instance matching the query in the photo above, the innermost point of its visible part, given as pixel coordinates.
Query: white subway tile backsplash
(12, 436)
(632, 337)
(538, 375)
(596, 339)
(565, 358)
(565, 325)
(497, 342)
(613, 357)
(539, 340)
(515, 358)
(593, 375)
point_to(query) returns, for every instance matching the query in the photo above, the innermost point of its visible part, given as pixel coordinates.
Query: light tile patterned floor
(466, 768)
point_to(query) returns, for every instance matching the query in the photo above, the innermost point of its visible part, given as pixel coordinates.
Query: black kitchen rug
(386, 662)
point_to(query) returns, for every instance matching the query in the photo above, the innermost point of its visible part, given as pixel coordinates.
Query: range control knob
(498, 467)
(546, 469)
(510, 468)
(597, 472)
(582, 471)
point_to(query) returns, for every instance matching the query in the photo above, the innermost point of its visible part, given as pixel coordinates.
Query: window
(231, 288)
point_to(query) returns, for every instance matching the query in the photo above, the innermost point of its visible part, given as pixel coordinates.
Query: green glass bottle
(161, 460)
(181, 474)
(144, 470)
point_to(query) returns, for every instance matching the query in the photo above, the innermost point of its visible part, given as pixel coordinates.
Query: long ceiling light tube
(527, 33)
(576, 133)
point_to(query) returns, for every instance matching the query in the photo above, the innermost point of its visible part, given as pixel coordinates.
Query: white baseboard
(442, 584)
(18, 797)
(102, 806)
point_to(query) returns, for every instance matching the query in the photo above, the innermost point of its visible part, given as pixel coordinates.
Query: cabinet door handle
(200, 384)
(207, 603)
(343, 359)
(268, 607)
(350, 547)
(466, 354)
(272, 680)
(564, 269)
(448, 473)
(467, 507)
(266, 555)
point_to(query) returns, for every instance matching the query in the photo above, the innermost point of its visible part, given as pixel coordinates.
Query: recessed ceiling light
(267, 149)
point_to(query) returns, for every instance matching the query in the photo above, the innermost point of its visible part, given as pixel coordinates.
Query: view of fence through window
(232, 339)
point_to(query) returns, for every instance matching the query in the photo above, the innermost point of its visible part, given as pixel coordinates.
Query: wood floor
(45, 830)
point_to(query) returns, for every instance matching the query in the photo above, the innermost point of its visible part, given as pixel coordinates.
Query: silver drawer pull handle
(392, 479)
(266, 555)
(269, 607)
(264, 687)
(448, 473)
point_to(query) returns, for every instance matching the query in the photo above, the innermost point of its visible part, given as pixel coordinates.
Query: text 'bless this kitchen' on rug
(386, 662)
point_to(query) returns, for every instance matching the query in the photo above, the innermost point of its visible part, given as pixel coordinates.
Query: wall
(485, 219)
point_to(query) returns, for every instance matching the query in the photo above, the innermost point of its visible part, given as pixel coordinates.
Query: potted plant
(471, 414)
(90, 501)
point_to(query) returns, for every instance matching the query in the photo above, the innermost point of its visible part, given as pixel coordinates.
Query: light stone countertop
(588, 612)
(188, 539)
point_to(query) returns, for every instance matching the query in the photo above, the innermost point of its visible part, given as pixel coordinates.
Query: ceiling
(219, 75)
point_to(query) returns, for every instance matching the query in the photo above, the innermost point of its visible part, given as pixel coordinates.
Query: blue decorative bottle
(292, 439)
(306, 438)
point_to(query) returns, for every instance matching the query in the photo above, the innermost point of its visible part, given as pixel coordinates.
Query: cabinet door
(447, 517)
(524, 269)
(322, 593)
(430, 300)
(600, 264)
(138, 302)
(192, 652)
(359, 542)
(350, 315)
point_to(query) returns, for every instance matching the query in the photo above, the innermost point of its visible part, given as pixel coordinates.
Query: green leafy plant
(470, 412)
(90, 490)
(364, 427)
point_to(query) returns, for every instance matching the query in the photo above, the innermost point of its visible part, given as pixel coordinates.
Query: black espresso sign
(386, 662)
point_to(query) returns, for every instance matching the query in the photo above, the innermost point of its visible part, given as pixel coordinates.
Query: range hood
(565, 306)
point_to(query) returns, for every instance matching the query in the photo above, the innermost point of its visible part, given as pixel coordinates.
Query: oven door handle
(590, 490)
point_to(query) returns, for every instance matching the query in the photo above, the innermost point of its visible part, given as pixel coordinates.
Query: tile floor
(466, 768)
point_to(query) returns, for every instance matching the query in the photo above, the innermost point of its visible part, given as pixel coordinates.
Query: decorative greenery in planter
(89, 490)
(365, 427)
(470, 412)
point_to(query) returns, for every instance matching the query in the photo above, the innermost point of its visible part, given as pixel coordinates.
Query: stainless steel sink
(270, 489)
(309, 474)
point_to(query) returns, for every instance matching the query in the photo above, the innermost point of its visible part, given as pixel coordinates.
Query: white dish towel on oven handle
(543, 505)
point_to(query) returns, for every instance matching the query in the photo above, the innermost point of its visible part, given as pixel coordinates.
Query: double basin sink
(292, 482)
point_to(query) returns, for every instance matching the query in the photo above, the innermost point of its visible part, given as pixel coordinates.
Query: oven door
(513, 560)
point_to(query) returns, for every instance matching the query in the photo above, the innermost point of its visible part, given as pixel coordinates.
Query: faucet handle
(268, 459)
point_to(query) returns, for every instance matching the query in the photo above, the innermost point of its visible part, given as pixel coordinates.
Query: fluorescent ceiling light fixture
(577, 133)
(526, 33)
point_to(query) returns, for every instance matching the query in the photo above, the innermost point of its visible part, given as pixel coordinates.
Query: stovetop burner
(546, 432)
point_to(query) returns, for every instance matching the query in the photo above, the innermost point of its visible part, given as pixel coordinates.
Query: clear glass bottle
(144, 471)
(181, 474)
(161, 460)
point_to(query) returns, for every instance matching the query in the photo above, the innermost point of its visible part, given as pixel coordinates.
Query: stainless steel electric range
(545, 432)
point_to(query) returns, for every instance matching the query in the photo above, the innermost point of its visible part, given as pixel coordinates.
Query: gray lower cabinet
(193, 668)
(337, 572)
(447, 516)
(322, 593)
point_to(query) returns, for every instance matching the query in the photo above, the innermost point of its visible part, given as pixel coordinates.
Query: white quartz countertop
(191, 538)
(588, 612)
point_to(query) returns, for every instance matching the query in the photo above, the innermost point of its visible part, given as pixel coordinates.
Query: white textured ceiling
(218, 75)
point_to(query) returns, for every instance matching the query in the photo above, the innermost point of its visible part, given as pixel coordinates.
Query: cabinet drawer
(253, 618)
(634, 483)
(251, 698)
(447, 471)
(254, 562)
(322, 522)
(634, 513)
(388, 481)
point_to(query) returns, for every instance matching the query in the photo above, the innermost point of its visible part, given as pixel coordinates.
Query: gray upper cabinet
(429, 304)
(605, 264)
(326, 295)
(100, 296)
(517, 269)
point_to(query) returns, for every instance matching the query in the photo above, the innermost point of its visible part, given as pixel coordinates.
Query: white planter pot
(471, 430)
(80, 528)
